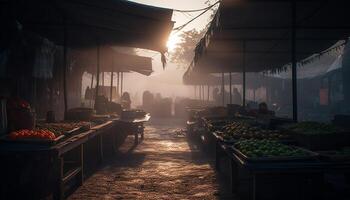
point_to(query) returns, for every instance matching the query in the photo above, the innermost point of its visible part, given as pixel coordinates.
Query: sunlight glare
(173, 42)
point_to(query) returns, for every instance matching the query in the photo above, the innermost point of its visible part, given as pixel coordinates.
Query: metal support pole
(65, 67)
(230, 88)
(203, 92)
(294, 64)
(200, 92)
(97, 72)
(121, 82)
(118, 78)
(91, 86)
(244, 74)
(111, 89)
(202, 87)
(203, 97)
(103, 78)
(223, 88)
(208, 93)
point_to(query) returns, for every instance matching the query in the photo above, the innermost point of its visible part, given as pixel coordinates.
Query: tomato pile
(32, 134)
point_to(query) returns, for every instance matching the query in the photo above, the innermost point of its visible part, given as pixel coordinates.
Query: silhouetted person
(236, 97)
(216, 96)
(126, 101)
(147, 99)
(263, 109)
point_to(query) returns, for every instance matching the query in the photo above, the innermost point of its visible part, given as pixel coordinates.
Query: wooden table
(134, 126)
(308, 173)
(64, 163)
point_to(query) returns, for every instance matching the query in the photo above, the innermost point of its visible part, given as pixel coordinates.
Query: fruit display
(314, 128)
(32, 134)
(268, 148)
(61, 128)
(243, 130)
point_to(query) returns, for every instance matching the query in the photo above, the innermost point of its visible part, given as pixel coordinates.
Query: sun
(172, 42)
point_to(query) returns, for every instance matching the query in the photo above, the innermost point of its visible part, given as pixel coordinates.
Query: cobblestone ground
(163, 166)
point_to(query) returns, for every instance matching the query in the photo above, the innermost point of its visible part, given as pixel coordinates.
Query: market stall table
(307, 175)
(64, 164)
(134, 126)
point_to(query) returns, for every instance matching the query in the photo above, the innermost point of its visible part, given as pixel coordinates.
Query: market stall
(267, 159)
(269, 36)
(58, 155)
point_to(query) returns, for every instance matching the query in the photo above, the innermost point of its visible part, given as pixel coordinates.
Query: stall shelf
(61, 166)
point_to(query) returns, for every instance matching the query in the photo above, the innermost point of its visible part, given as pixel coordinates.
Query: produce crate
(312, 155)
(34, 141)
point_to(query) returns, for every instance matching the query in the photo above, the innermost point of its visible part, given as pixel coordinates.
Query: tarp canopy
(257, 79)
(258, 33)
(190, 78)
(111, 60)
(88, 23)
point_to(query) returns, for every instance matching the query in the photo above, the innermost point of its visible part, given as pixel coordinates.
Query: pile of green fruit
(267, 148)
(242, 130)
(314, 128)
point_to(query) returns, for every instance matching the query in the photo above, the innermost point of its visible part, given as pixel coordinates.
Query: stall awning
(112, 60)
(199, 78)
(91, 22)
(259, 33)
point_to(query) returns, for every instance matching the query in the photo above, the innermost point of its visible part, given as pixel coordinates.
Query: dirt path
(163, 166)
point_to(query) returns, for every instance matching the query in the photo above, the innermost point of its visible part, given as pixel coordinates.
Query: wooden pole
(244, 74)
(208, 92)
(294, 63)
(118, 78)
(65, 63)
(103, 78)
(92, 85)
(230, 87)
(111, 89)
(223, 88)
(203, 92)
(121, 82)
(97, 72)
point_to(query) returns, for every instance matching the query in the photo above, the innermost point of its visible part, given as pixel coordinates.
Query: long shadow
(208, 155)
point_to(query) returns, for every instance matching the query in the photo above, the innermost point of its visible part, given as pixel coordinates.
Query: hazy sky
(168, 82)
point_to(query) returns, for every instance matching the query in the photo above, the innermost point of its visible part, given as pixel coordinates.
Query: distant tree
(184, 51)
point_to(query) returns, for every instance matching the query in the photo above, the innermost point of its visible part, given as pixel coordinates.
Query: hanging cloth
(44, 60)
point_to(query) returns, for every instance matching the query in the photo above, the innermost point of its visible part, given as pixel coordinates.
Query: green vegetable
(243, 130)
(314, 128)
(267, 148)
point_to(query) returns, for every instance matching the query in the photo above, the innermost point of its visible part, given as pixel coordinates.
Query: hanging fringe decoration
(333, 51)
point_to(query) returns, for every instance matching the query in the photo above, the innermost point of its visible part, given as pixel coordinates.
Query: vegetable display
(314, 128)
(242, 130)
(61, 128)
(267, 148)
(32, 134)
